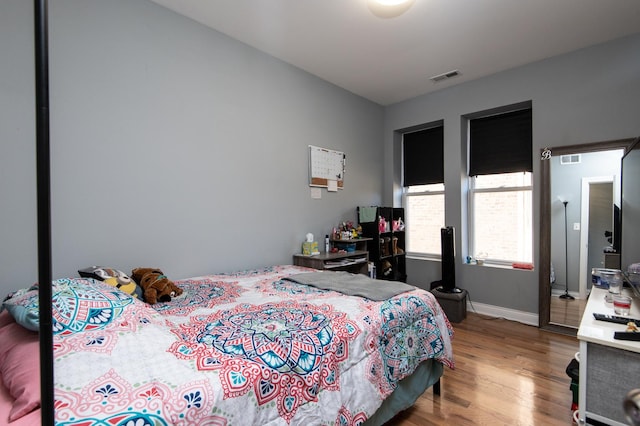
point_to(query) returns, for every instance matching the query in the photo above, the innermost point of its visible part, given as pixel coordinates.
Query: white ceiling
(391, 60)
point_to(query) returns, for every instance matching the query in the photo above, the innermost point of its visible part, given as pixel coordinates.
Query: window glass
(425, 188)
(501, 217)
(424, 208)
(503, 180)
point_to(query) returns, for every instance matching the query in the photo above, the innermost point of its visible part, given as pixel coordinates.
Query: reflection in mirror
(566, 317)
(630, 206)
(585, 192)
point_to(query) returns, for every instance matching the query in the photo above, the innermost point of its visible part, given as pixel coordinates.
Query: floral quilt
(242, 348)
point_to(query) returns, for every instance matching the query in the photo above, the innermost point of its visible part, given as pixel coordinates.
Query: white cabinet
(609, 368)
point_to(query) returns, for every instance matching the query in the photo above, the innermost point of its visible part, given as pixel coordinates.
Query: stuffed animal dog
(156, 286)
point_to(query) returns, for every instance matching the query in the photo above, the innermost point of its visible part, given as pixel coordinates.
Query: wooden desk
(609, 368)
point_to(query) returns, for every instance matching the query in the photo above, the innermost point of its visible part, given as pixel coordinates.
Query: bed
(252, 347)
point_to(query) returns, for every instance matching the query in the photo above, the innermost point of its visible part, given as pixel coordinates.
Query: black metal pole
(43, 179)
(566, 294)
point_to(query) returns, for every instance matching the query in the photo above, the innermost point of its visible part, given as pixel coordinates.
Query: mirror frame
(544, 287)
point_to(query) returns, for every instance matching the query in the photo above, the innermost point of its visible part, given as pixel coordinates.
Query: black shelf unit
(387, 248)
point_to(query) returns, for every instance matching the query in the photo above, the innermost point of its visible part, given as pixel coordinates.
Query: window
(423, 195)
(424, 208)
(501, 217)
(500, 187)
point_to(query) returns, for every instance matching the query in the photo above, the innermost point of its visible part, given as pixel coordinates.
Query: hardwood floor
(507, 373)
(566, 312)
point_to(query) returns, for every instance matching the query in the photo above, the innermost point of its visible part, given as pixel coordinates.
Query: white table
(609, 368)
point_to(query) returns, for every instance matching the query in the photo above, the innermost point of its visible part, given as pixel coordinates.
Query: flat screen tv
(630, 209)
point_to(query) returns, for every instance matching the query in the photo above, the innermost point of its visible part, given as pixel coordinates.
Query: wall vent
(570, 159)
(444, 76)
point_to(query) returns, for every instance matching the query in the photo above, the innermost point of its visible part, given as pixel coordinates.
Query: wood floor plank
(507, 373)
(566, 312)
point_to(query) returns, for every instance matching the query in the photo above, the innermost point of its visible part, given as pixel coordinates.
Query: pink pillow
(5, 318)
(19, 368)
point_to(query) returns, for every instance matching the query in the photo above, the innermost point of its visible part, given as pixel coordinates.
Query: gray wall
(586, 96)
(172, 145)
(18, 238)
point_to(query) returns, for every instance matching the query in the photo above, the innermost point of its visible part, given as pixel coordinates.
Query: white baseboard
(500, 312)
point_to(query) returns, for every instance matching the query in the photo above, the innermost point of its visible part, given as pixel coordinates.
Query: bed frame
(43, 172)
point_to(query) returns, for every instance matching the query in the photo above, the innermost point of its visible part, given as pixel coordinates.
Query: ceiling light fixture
(389, 8)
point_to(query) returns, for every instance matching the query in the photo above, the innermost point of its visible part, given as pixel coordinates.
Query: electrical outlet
(576, 226)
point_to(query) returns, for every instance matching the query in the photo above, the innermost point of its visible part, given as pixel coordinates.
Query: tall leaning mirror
(580, 200)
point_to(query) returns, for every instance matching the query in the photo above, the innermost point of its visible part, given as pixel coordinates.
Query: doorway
(598, 199)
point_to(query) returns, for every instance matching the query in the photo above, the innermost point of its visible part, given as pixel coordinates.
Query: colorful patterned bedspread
(244, 348)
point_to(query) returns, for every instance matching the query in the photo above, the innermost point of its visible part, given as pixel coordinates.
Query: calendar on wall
(326, 167)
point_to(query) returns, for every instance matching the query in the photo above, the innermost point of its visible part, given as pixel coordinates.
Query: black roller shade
(501, 143)
(423, 155)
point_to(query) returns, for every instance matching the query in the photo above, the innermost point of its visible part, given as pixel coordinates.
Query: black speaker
(447, 238)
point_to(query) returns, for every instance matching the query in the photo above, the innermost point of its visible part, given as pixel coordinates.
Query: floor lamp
(566, 294)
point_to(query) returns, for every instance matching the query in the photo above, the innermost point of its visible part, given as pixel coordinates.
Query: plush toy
(113, 277)
(156, 286)
(130, 288)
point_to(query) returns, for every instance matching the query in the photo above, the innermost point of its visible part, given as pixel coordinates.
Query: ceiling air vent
(570, 159)
(444, 76)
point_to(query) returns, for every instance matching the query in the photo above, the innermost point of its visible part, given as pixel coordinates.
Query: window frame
(430, 133)
(471, 212)
(500, 133)
(406, 193)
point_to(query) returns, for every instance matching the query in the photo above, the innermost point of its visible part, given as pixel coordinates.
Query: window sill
(498, 266)
(432, 258)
